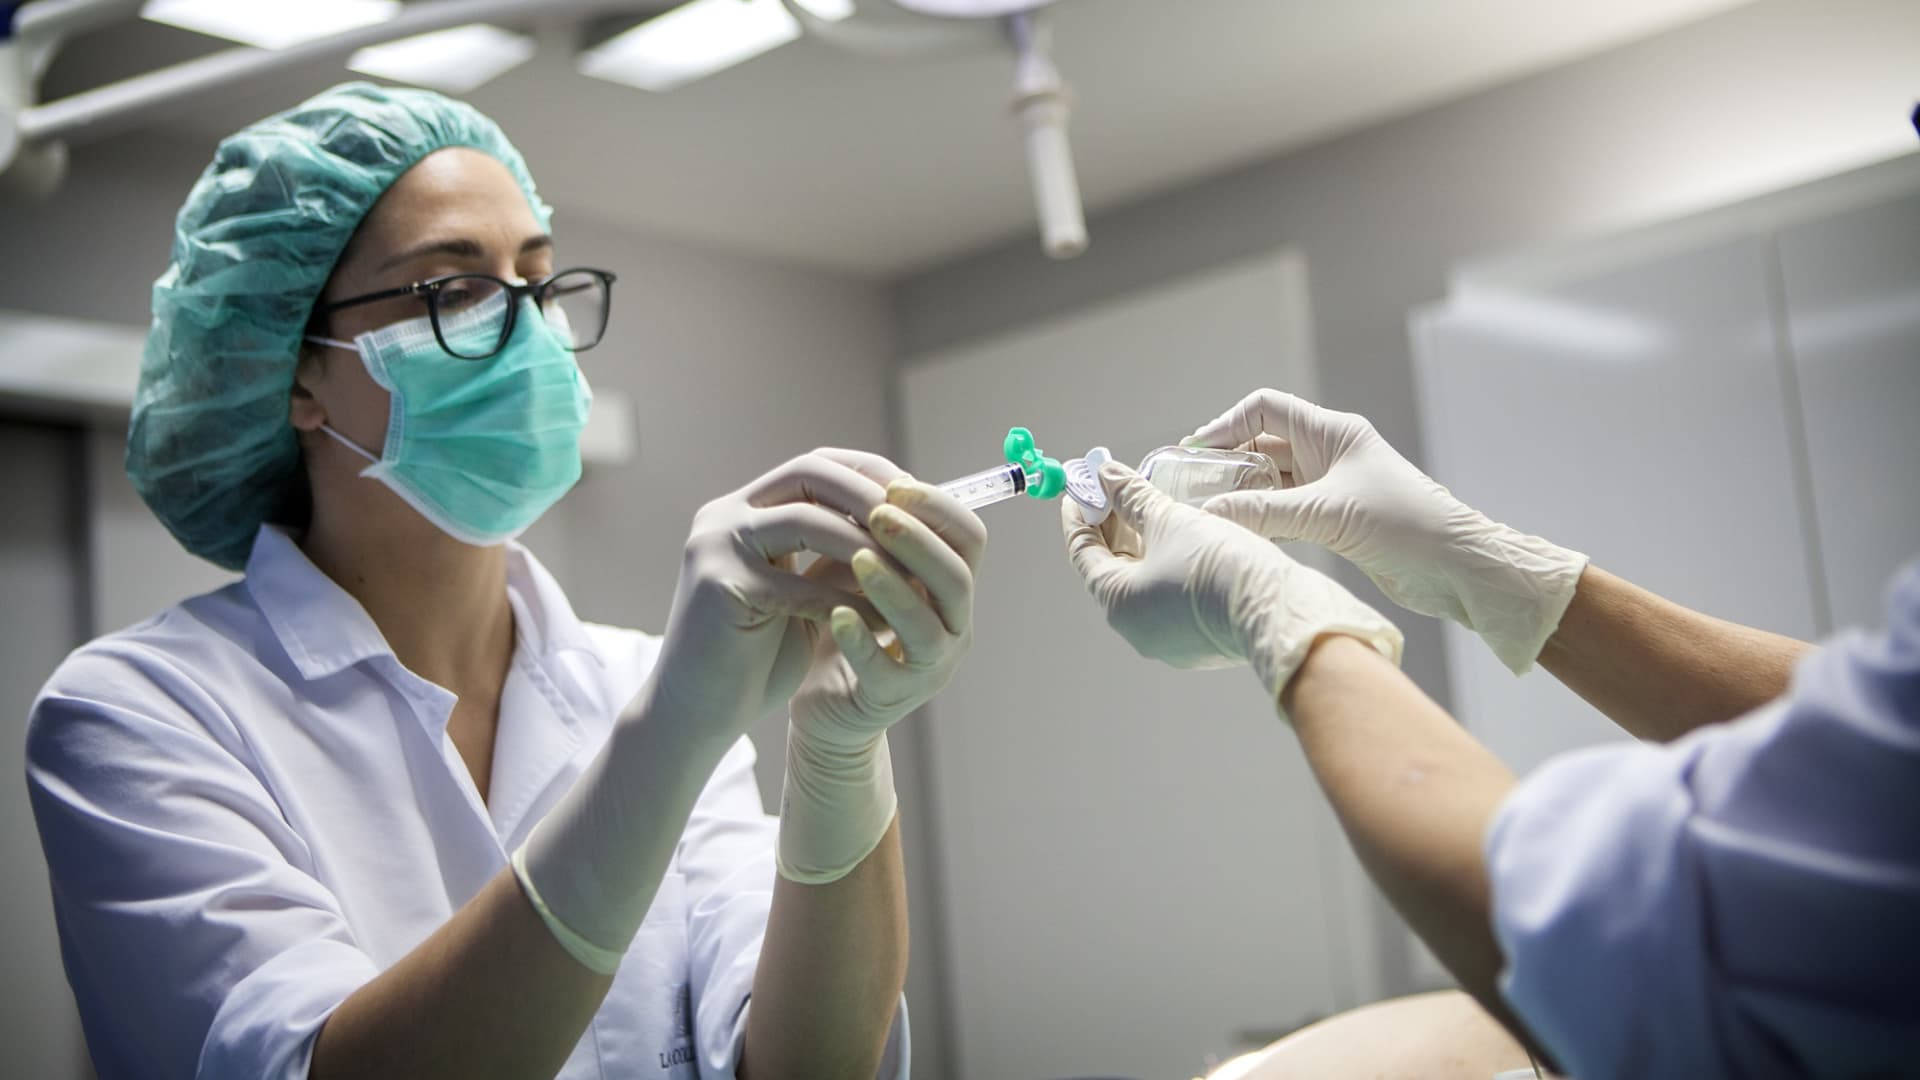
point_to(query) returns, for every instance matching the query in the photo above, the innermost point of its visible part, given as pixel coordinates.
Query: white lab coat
(249, 808)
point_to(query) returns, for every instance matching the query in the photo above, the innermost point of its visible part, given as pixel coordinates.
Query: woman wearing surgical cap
(385, 806)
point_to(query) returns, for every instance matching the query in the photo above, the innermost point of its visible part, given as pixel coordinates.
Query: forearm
(1660, 670)
(831, 971)
(1414, 793)
(493, 992)
(489, 994)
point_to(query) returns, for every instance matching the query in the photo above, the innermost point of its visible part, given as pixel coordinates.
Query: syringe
(1028, 471)
(1192, 475)
(989, 486)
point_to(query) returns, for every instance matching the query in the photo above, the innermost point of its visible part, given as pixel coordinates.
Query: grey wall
(42, 615)
(734, 365)
(1755, 99)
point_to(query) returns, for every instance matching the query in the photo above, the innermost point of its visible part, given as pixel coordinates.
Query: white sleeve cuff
(269, 1020)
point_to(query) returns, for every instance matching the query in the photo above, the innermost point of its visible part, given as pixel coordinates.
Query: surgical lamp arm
(1041, 102)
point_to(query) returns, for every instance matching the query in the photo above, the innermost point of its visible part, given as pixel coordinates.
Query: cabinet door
(1135, 862)
(1638, 415)
(1853, 303)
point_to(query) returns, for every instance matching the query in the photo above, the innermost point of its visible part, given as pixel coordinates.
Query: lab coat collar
(324, 630)
(546, 619)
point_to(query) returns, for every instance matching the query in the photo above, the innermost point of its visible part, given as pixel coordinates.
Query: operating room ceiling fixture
(909, 28)
(452, 45)
(702, 38)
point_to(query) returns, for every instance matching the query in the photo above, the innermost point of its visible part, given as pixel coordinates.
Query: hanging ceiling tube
(1040, 97)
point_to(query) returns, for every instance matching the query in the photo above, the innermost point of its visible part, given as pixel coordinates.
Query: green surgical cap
(210, 448)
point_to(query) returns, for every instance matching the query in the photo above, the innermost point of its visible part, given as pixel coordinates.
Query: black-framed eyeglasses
(471, 324)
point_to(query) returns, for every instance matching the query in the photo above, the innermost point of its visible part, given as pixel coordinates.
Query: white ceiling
(878, 167)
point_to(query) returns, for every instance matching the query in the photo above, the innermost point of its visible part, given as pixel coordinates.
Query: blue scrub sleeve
(1742, 902)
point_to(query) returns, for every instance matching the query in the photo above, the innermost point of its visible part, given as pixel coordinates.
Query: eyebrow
(462, 247)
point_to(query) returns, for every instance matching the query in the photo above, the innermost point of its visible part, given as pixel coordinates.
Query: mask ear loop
(348, 443)
(329, 428)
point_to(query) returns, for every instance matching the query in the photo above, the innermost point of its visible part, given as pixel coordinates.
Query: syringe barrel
(988, 486)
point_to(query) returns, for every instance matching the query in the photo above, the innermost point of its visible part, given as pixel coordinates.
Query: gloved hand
(1204, 592)
(737, 644)
(740, 635)
(839, 797)
(1431, 553)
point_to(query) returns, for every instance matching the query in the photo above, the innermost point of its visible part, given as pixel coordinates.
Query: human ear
(304, 409)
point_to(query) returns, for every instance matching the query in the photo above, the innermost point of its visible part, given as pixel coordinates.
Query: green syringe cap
(1046, 477)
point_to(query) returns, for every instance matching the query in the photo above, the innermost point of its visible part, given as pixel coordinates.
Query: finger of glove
(1291, 514)
(930, 560)
(871, 664)
(777, 592)
(872, 466)
(1275, 447)
(838, 575)
(1137, 503)
(1121, 538)
(947, 516)
(913, 617)
(1265, 411)
(816, 478)
(789, 528)
(1092, 559)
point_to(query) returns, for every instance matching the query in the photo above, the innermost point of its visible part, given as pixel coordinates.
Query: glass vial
(1194, 474)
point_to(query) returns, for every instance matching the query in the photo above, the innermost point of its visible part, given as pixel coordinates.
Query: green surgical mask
(481, 448)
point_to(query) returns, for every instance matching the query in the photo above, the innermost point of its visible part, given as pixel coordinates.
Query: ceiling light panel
(455, 61)
(269, 25)
(697, 39)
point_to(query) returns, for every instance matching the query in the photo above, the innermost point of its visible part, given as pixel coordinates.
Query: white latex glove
(839, 797)
(1350, 492)
(736, 646)
(1204, 592)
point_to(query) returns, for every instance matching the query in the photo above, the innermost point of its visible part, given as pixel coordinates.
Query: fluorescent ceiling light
(269, 24)
(971, 9)
(454, 61)
(697, 39)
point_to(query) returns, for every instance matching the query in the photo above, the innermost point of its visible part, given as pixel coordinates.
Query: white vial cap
(1083, 485)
